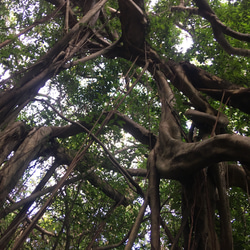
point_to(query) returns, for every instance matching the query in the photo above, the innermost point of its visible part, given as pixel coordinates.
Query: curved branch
(113, 246)
(191, 79)
(136, 130)
(180, 160)
(10, 139)
(140, 133)
(238, 177)
(26, 152)
(219, 36)
(206, 119)
(219, 29)
(227, 31)
(215, 86)
(178, 77)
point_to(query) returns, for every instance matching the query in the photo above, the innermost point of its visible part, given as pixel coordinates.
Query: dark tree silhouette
(203, 161)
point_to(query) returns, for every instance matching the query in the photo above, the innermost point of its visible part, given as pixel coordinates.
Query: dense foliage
(124, 124)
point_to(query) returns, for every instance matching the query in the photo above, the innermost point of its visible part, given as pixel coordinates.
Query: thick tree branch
(11, 138)
(227, 31)
(191, 79)
(224, 207)
(136, 130)
(107, 189)
(133, 25)
(215, 86)
(219, 29)
(178, 77)
(47, 66)
(180, 160)
(237, 177)
(154, 201)
(22, 214)
(26, 152)
(167, 99)
(205, 120)
(226, 45)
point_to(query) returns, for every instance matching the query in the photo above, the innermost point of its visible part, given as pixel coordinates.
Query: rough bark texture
(195, 164)
(26, 152)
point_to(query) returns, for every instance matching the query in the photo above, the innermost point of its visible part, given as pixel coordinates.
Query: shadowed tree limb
(154, 201)
(226, 237)
(185, 159)
(219, 29)
(47, 66)
(26, 152)
(214, 86)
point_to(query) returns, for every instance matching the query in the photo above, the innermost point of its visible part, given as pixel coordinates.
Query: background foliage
(83, 92)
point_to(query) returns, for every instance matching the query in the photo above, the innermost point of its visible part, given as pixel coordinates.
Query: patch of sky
(186, 42)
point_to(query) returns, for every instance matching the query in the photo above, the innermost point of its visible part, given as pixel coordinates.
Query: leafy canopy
(84, 211)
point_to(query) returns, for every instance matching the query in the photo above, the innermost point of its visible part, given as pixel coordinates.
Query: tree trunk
(199, 202)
